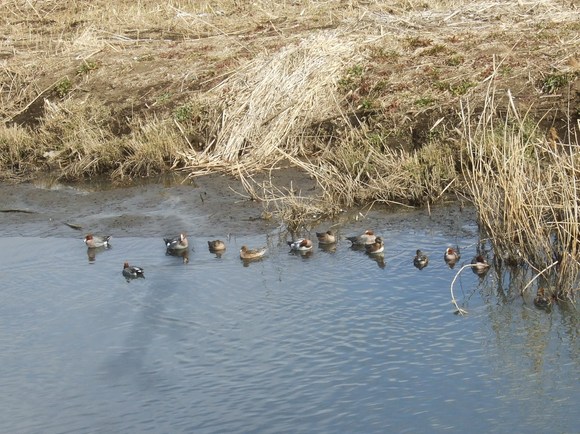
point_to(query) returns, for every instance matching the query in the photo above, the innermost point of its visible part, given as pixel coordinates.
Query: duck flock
(371, 243)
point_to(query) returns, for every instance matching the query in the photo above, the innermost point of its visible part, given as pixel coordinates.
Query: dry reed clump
(153, 147)
(526, 191)
(272, 100)
(17, 152)
(75, 138)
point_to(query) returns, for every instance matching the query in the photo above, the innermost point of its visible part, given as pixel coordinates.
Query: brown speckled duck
(246, 253)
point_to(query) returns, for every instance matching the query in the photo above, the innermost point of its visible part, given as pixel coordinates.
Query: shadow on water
(144, 328)
(93, 252)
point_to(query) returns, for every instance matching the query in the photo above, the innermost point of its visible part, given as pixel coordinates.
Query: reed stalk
(525, 189)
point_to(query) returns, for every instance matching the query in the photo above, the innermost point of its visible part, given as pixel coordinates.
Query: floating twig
(460, 311)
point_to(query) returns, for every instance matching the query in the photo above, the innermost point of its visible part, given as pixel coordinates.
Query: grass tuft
(525, 188)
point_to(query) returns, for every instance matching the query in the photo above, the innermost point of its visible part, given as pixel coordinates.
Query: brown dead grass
(362, 95)
(524, 185)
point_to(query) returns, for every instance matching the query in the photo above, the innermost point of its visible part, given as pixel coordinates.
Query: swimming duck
(93, 241)
(368, 237)
(327, 237)
(377, 247)
(216, 245)
(302, 244)
(541, 301)
(246, 253)
(177, 243)
(421, 260)
(480, 265)
(451, 256)
(132, 272)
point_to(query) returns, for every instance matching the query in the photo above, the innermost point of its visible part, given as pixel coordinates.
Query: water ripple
(334, 342)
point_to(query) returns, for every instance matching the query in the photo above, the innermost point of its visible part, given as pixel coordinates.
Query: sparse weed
(184, 113)
(414, 42)
(86, 66)
(63, 87)
(455, 60)
(424, 101)
(352, 78)
(434, 50)
(551, 83)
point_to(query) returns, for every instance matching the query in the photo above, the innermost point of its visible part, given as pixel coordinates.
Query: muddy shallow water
(333, 341)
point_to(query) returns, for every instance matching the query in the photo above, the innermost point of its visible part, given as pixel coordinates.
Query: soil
(212, 206)
(156, 207)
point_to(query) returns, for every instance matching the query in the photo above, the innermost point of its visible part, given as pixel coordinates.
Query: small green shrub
(63, 87)
(424, 101)
(86, 67)
(455, 60)
(183, 113)
(552, 82)
(434, 50)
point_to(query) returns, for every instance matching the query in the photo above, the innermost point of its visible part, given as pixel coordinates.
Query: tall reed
(525, 189)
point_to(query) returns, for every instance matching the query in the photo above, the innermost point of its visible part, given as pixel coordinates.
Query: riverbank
(363, 97)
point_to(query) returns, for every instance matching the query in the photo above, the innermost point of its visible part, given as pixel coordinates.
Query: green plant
(455, 60)
(456, 89)
(367, 103)
(461, 88)
(434, 50)
(424, 101)
(183, 113)
(86, 67)
(164, 97)
(552, 82)
(63, 87)
(352, 78)
(417, 42)
(380, 53)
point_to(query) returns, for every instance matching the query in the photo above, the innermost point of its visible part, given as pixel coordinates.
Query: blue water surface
(335, 341)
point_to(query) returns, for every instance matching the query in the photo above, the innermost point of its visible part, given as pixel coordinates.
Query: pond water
(336, 341)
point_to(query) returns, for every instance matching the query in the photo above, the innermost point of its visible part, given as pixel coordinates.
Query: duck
(132, 272)
(541, 301)
(451, 256)
(421, 260)
(177, 243)
(368, 237)
(246, 253)
(302, 245)
(377, 247)
(216, 245)
(327, 237)
(480, 264)
(94, 241)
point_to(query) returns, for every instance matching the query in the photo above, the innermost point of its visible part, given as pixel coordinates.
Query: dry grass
(524, 185)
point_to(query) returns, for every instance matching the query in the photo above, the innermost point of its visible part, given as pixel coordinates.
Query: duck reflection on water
(93, 251)
(181, 253)
(379, 258)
